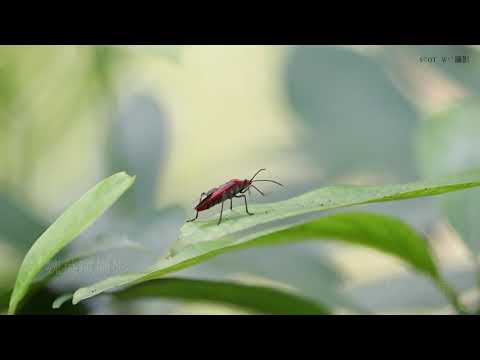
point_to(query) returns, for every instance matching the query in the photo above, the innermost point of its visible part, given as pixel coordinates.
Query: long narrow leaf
(58, 268)
(255, 298)
(69, 225)
(201, 240)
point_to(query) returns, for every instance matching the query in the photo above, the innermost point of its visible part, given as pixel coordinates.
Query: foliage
(70, 224)
(200, 241)
(354, 116)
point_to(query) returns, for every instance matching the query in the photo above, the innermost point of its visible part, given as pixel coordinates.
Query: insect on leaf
(201, 240)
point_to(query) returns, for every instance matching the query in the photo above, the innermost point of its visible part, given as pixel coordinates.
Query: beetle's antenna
(253, 177)
(273, 181)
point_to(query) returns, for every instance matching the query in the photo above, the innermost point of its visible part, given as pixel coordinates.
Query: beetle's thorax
(236, 185)
(244, 183)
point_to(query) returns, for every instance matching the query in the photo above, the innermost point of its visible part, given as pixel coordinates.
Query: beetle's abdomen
(224, 192)
(205, 204)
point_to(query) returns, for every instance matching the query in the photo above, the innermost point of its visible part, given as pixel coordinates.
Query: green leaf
(378, 232)
(61, 300)
(254, 298)
(203, 239)
(332, 197)
(55, 269)
(449, 142)
(69, 225)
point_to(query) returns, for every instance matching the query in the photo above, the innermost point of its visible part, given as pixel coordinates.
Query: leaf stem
(451, 295)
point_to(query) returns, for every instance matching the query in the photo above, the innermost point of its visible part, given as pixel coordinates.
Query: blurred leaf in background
(47, 92)
(18, 226)
(258, 299)
(407, 292)
(171, 52)
(356, 121)
(449, 142)
(138, 143)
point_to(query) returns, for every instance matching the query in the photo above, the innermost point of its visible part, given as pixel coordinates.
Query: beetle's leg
(246, 206)
(195, 218)
(221, 212)
(231, 204)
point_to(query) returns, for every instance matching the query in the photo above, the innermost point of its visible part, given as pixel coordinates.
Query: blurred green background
(184, 119)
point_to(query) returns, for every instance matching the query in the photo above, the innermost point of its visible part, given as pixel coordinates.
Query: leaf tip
(76, 299)
(131, 178)
(12, 306)
(124, 173)
(57, 304)
(79, 295)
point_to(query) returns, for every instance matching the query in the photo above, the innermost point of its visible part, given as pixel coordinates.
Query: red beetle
(228, 191)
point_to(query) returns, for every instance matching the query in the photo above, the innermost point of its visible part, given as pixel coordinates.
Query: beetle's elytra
(233, 188)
